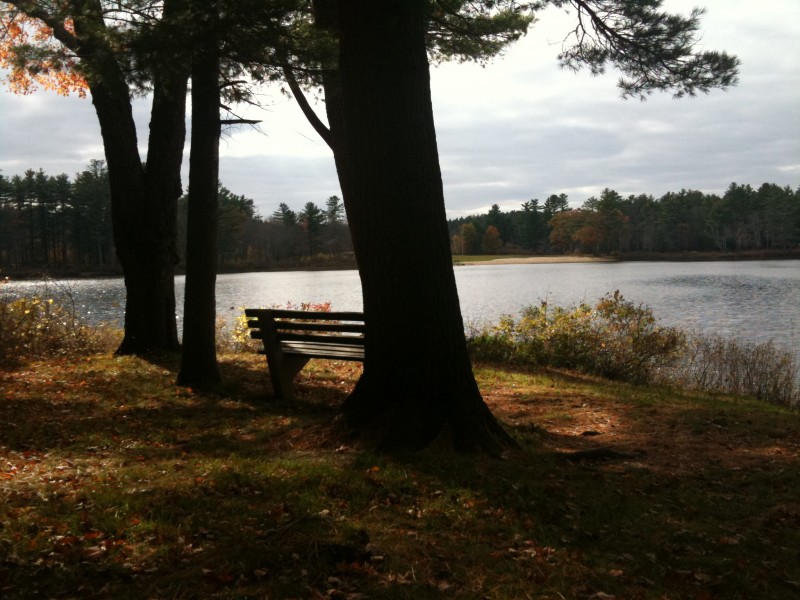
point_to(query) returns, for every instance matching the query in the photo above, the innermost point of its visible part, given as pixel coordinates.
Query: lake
(750, 300)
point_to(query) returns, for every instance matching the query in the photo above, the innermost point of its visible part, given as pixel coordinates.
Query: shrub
(614, 339)
(234, 338)
(46, 323)
(619, 340)
(716, 364)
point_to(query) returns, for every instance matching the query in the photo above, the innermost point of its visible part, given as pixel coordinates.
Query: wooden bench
(292, 337)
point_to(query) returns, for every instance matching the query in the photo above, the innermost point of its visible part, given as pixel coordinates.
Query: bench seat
(292, 337)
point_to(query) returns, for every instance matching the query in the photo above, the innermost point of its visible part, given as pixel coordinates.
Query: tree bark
(418, 382)
(143, 197)
(143, 212)
(199, 358)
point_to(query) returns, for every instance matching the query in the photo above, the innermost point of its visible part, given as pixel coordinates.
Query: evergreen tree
(311, 220)
(381, 133)
(90, 216)
(284, 215)
(334, 210)
(234, 215)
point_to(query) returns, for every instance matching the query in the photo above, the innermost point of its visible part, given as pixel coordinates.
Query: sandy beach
(525, 260)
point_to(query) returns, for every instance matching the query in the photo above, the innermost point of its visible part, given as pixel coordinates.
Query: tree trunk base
(397, 419)
(135, 347)
(203, 379)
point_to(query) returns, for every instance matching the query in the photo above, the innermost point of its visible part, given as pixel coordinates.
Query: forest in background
(742, 219)
(52, 223)
(57, 224)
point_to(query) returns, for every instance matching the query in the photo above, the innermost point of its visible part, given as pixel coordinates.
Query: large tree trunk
(144, 221)
(143, 198)
(147, 237)
(417, 383)
(199, 359)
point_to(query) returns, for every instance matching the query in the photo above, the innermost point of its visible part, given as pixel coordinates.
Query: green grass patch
(116, 483)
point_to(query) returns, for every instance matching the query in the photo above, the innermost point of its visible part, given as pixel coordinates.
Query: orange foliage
(55, 69)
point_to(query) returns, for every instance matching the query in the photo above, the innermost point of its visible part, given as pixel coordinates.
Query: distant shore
(347, 262)
(539, 260)
(792, 254)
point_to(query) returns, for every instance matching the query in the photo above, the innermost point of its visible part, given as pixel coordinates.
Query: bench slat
(334, 327)
(348, 337)
(305, 326)
(275, 313)
(292, 337)
(333, 351)
(350, 340)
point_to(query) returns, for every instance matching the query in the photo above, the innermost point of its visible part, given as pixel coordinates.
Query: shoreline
(349, 265)
(793, 254)
(537, 260)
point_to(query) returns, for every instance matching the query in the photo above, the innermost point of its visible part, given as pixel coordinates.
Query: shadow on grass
(123, 406)
(120, 484)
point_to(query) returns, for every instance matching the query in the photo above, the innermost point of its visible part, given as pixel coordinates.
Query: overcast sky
(518, 129)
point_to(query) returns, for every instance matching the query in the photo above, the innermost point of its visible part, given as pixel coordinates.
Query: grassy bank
(116, 483)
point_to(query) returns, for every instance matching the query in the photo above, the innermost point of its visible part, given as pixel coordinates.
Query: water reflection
(756, 301)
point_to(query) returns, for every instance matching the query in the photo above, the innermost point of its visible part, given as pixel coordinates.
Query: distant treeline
(56, 224)
(51, 222)
(742, 219)
(60, 225)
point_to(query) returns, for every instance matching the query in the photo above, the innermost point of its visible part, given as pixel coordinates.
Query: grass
(116, 483)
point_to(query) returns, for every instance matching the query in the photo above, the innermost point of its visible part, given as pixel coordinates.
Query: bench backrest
(300, 325)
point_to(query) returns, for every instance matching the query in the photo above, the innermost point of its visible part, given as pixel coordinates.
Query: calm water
(750, 300)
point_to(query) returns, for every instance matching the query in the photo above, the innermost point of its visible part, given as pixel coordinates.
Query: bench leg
(283, 375)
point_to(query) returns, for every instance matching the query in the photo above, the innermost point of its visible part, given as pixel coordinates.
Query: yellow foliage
(236, 338)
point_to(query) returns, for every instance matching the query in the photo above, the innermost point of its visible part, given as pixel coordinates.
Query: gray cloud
(272, 180)
(518, 129)
(59, 135)
(581, 137)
